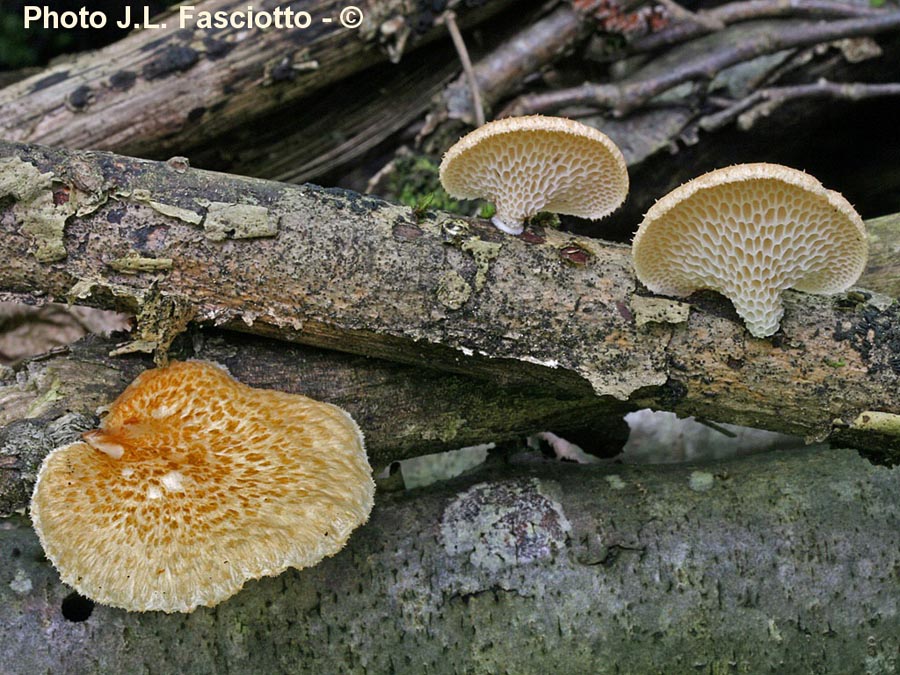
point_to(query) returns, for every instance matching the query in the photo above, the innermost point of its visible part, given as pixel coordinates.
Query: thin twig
(703, 22)
(502, 71)
(747, 110)
(628, 95)
(449, 19)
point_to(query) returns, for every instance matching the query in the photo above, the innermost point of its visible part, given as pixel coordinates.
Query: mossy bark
(777, 563)
(335, 269)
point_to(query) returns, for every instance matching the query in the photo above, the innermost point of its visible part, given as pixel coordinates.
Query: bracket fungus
(750, 232)
(526, 165)
(195, 484)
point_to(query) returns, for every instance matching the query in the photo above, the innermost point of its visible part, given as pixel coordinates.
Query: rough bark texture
(403, 411)
(883, 270)
(779, 563)
(159, 91)
(335, 269)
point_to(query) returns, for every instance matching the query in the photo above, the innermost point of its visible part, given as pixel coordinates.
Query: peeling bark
(535, 568)
(549, 310)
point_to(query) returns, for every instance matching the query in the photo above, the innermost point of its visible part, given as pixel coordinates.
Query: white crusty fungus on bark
(526, 165)
(196, 483)
(750, 232)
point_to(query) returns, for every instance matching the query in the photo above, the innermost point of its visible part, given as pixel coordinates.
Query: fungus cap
(525, 165)
(751, 231)
(197, 484)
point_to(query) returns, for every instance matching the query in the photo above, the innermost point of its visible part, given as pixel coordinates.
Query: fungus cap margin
(783, 229)
(186, 516)
(537, 163)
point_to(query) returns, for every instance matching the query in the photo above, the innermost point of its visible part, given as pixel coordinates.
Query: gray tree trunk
(781, 563)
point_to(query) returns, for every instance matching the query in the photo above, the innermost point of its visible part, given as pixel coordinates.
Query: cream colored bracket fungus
(750, 232)
(526, 165)
(196, 483)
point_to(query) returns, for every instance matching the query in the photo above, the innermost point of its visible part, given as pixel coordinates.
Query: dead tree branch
(158, 92)
(625, 96)
(338, 270)
(404, 411)
(449, 18)
(778, 563)
(748, 10)
(763, 101)
(502, 71)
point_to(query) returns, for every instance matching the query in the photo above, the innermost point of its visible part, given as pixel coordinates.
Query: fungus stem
(509, 229)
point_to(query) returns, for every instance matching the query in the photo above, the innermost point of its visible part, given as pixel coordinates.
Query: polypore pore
(751, 231)
(525, 165)
(196, 483)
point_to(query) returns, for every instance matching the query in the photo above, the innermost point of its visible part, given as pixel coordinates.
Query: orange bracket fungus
(750, 232)
(196, 483)
(525, 165)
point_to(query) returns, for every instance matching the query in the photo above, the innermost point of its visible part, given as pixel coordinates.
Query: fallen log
(330, 268)
(162, 90)
(404, 411)
(782, 562)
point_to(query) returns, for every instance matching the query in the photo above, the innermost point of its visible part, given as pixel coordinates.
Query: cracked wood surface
(784, 562)
(339, 270)
(159, 91)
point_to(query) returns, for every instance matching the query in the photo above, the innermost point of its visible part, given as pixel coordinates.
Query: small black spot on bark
(196, 114)
(80, 98)
(149, 238)
(49, 81)
(122, 80)
(114, 215)
(734, 364)
(77, 608)
(359, 205)
(216, 49)
(779, 341)
(172, 60)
